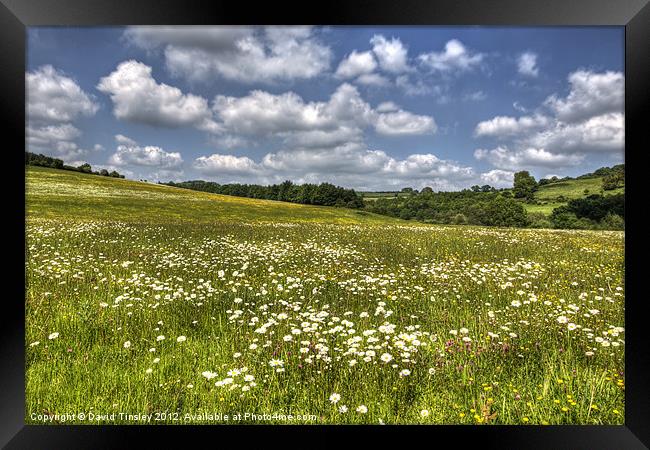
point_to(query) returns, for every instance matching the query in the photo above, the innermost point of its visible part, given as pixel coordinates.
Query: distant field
(180, 305)
(64, 194)
(372, 196)
(570, 189)
(546, 194)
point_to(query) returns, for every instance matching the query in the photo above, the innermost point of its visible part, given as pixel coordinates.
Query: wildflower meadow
(146, 299)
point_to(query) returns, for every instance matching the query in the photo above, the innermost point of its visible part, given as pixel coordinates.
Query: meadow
(551, 196)
(147, 299)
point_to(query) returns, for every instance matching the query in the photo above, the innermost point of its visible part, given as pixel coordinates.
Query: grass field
(548, 194)
(67, 195)
(373, 196)
(182, 305)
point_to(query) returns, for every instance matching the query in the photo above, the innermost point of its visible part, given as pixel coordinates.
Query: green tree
(524, 185)
(614, 180)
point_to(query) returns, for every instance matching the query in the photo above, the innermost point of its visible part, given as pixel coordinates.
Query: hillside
(53, 193)
(547, 195)
(373, 196)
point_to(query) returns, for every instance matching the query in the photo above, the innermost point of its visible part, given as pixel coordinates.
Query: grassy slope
(547, 195)
(570, 190)
(372, 196)
(55, 193)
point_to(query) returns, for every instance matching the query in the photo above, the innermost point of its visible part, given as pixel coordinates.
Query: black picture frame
(16, 15)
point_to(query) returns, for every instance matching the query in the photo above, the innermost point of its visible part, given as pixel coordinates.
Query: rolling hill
(550, 196)
(53, 193)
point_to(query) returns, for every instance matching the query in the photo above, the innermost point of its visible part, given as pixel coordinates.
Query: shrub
(539, 220)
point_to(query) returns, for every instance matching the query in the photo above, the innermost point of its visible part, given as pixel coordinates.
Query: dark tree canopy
(614, 180)
(589, 211)
(324, 194)
(476, 207)
(33, 159)
(524, 185)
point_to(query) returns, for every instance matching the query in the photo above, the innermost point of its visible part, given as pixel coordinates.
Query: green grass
(545, 208)
(373, 196)
(572, 189)
(548, 194)
(59, 194)
(112, 261)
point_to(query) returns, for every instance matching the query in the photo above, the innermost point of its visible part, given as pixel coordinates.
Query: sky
(369, 108)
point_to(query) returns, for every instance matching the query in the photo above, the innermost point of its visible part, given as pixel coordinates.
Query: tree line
(34, 159)
(479, 205)
(486, 205)
(613, 177)
(324, 194)
(595, 211)
(491, 208)
(592, 212)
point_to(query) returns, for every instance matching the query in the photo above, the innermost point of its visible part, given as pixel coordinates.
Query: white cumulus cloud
(455, 57)
(54, 97)
(527, 64)
(392, 54)
(218, 164)
(591, 94)
(308, 124)
(350, 164)
(498, 178)
(590, 119)
(502, 126)
(244, 54)
(53, 102)
(604, 133)
(355, 64)
(129, 153)
(403, 123)
(138, 97)
(503, 158)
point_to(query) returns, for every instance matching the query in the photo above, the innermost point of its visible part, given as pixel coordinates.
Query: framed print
(361, 217)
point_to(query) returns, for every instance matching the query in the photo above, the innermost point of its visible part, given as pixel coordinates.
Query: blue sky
(364, 107)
